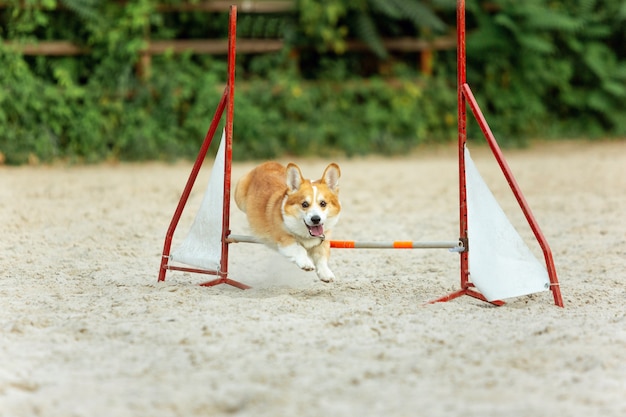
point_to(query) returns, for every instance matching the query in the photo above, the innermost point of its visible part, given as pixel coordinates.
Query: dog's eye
(305, 204)
(323, 203)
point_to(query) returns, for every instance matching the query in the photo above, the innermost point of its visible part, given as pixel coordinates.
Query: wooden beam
(49, 48)
(409, 44)
(220, 46)
(215, 46)
(246, 6)
(198, 46)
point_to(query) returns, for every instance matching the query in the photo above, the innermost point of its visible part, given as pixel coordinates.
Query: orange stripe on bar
(403, 245)
(343, 244)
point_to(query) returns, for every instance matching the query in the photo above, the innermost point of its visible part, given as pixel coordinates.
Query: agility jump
(488, 283)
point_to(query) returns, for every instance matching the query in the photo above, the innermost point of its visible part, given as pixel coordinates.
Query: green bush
(556, 68)
(353, 116)
(537, 69)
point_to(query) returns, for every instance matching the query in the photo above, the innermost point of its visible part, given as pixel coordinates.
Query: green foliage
(68, 107)
(560, 64)
(97, 106)
(537, 68)
(327, 25)
(348, 116)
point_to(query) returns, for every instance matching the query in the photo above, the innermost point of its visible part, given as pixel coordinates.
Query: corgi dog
(292, 214)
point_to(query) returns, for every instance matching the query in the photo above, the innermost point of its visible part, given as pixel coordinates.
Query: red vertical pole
(462, 137)
(228, 154)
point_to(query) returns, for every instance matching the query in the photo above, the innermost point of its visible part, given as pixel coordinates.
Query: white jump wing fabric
(500, 264)
(203, 245)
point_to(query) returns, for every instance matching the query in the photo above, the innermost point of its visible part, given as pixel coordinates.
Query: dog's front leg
(298, 255)
(320, 255)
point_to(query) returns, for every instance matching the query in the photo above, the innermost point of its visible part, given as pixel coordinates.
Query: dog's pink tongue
(316, 231)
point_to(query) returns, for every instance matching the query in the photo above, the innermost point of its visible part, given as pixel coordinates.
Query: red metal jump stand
(464, 94)
(227, 103)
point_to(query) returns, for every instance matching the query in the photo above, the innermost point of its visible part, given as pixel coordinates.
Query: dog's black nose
(315, 219)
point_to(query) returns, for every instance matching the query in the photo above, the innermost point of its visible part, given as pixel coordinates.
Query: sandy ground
(86, 330)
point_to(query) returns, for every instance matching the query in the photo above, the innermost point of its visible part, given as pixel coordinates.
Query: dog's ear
(294, 177)
(331, 176)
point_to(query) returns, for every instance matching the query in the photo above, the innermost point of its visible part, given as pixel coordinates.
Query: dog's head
(310, 208)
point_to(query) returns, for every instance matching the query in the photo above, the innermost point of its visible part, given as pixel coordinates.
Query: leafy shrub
(353, 117)
(560, 64)
(537, 68)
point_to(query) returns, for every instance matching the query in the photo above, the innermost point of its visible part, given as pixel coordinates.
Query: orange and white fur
(292, 214)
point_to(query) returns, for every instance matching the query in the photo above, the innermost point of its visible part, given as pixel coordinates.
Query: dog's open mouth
(316, 230)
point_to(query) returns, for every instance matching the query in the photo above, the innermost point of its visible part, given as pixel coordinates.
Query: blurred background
(94, 80)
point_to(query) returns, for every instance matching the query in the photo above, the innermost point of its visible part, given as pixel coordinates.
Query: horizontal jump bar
(351, 244)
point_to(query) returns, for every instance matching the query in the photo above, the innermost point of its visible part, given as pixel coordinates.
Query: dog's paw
(325, 274)
(305, 263)
(298, 255)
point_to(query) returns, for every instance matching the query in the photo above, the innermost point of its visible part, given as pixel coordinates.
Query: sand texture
(86, 330)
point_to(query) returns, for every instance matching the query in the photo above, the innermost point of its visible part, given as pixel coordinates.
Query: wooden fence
(425, 48)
